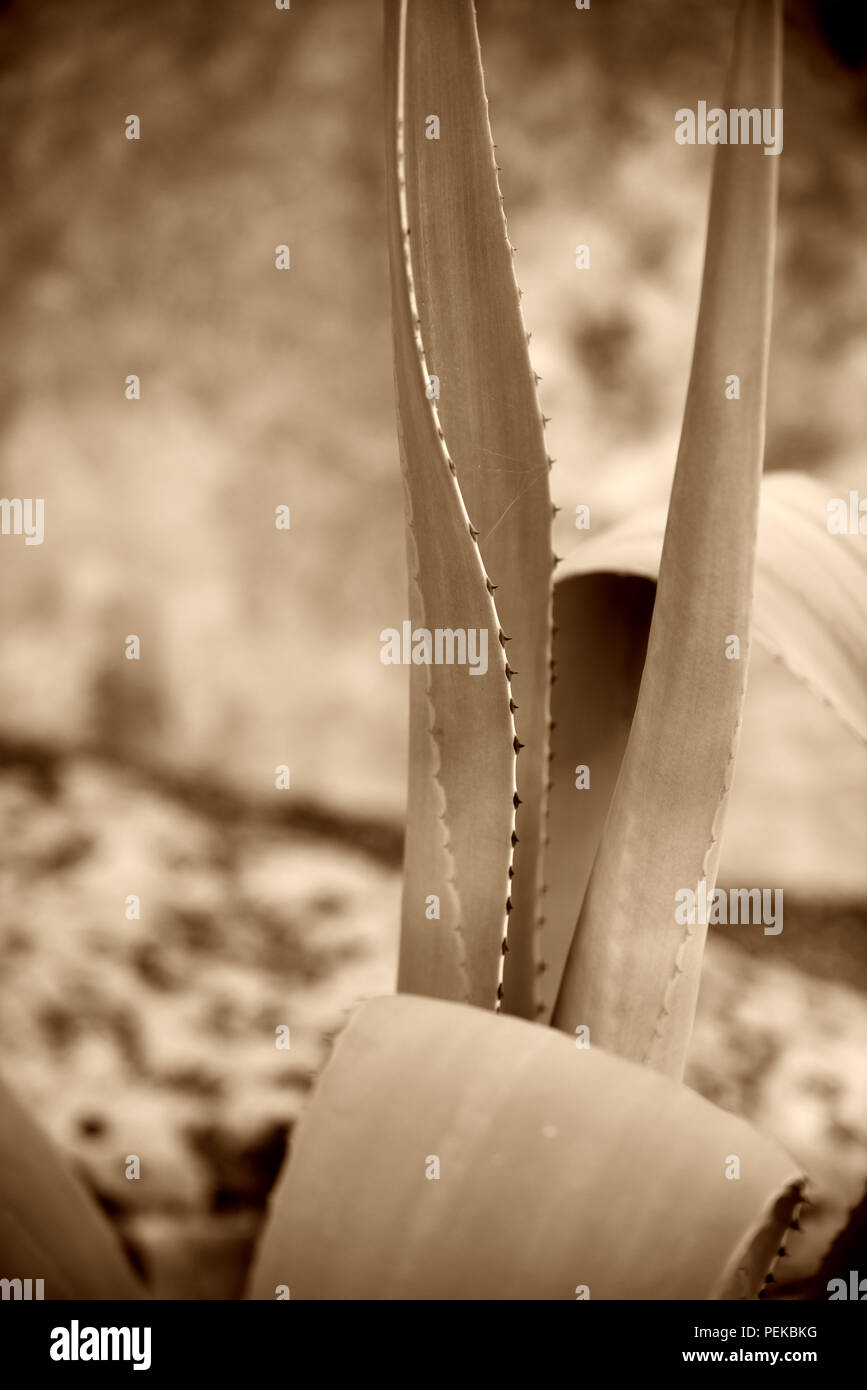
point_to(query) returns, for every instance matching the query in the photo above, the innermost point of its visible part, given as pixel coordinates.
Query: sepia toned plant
(447, 1152)
(514, 1123)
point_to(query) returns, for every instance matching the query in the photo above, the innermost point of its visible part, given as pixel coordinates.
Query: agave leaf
(474, 342)
(558, 1167)
(810, 604)
(632, 972)
(462, 770)
(432, 958)
(50, 1226)
(809, 611)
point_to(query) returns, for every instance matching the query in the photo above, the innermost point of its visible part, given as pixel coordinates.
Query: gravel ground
(157, 1037)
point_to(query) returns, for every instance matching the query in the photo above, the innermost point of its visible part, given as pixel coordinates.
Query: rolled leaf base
(451, 1154)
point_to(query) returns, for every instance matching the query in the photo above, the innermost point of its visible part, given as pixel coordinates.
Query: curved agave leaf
(460, 824)
(470, 336)
(810, 604)
(557, 1168)
(810, 611)
(632, 972)
(50, 1226)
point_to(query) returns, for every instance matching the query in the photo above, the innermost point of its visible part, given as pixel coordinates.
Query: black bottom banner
(251, 1339)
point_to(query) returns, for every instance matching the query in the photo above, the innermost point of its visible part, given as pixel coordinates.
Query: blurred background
(261, 647)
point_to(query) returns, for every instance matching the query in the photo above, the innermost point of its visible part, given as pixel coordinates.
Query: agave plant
(513, 1123)
(448, 1152)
